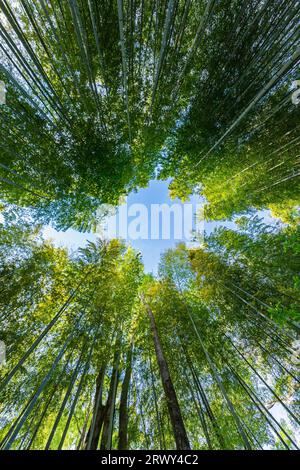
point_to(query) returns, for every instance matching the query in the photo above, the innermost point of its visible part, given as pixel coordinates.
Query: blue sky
(155, 193)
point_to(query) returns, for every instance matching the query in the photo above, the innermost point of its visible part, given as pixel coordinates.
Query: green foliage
(87, 309)
(101, 97)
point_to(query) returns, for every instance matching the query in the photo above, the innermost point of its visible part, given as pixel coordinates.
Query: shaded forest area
(100, 97)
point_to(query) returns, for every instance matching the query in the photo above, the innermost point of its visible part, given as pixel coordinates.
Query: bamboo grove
(101, 96)
(101, 347)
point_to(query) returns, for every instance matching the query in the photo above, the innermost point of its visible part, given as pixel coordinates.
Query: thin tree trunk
(180, 434)
(158, 415)
(83, 429)
(94, 431)
(110, 404)
(13, 432)
(202, 398)
(123, 412)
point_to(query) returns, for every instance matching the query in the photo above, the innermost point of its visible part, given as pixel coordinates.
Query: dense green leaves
(101, 97)
(96, 91)
(228, 357)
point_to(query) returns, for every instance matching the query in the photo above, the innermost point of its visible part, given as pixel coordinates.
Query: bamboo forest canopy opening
(98, 98)
(151, 222)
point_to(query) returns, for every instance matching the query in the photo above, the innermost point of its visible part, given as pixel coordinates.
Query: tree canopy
(101, 96)
(98, 343)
